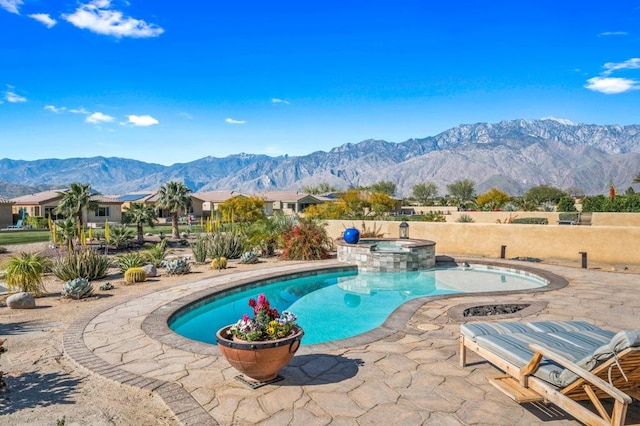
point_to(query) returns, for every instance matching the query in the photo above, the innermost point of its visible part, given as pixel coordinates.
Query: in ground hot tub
(388, 254)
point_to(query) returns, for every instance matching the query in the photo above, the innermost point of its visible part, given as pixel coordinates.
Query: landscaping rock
(21, 301)
(150, 270)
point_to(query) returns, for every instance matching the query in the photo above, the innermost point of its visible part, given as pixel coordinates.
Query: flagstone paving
(406, 372)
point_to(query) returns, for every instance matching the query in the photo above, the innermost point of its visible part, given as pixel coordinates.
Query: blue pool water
(337, 305)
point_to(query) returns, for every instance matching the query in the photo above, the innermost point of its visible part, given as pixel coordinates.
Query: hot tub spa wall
(415, 256)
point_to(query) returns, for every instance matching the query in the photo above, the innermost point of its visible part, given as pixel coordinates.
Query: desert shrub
(133, 259)
(465, 218)
(200, 247)
(177, 267)
(531, 221)
(373, 232)
(3, 249)
(77, 288)
(24, 273)
(85, 263)
(434, 217)
(306, 241)
(227, 244)
(135, 275)
(121, 236)
(156, 253)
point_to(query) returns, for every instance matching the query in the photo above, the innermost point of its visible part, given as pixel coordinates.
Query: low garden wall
(607, 244)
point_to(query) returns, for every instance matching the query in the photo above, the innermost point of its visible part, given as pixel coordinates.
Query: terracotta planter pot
(259, 361)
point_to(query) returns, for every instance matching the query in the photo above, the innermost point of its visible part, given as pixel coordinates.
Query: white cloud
(280, 101)
(142, 120)
(98, 117)
(630, 64)
(232, 121)
(12, 97)
(55, 109)
(79, 111)
(97, 16)
(11, 5)
(613, 33)
(186, 115)
(611, 85)
(44, 18)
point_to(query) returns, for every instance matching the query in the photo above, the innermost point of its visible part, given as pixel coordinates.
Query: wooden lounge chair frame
(616, 379)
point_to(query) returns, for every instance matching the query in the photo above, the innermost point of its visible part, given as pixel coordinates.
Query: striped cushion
(557, 326)
(514, 348)
(474, 329)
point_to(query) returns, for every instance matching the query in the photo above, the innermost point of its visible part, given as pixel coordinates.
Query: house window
(103, 212)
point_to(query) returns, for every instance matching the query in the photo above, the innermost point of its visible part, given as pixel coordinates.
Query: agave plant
(156, 253)
(86, 263)
(129, 260)
(121, 236)
(77, 288)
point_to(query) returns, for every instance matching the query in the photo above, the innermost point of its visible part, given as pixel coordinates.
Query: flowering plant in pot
(260, 346)
(266, 324)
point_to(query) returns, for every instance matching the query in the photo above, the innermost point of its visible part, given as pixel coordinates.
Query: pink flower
(261, 299)
(245, 318)
(252, 303)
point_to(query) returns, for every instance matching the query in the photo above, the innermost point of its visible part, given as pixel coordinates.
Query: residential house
(151, 199)
(211, 200)
(43, 204)
(289, 203)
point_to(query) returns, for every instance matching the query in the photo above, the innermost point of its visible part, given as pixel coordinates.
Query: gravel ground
(44, 387)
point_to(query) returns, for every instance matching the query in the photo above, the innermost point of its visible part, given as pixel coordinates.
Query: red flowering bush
(266, 324)
(308, 240)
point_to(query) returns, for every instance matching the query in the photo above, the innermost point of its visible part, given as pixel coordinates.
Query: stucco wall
(608, 244)
(615, 219)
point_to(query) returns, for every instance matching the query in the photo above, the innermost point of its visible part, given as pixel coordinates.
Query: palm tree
(76, 200)
(140, 215)
(174, 196)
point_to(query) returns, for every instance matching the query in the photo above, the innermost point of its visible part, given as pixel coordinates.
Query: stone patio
(404, 372)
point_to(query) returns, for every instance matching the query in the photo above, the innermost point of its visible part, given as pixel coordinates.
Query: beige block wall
(615, 219)
(493, 217)
(607, 244)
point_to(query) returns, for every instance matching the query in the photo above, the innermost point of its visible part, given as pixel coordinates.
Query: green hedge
(531, 220)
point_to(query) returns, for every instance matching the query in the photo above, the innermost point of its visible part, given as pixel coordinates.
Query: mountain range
(511, 155)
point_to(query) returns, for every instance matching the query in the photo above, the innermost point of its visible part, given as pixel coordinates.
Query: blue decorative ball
(351, 235)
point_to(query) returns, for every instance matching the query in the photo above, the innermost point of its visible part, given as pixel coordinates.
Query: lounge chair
(561, 362)
(18, 225)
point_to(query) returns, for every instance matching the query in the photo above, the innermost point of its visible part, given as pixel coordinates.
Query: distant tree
(321, 188)
(575, 192)
(381, 203)
(384, 187)
(328, 211)
(353, 204)
(424, 193)
(542, 193)
(140, 215)
(462, 190)
(174, 196)
(493, 199)
(243, 209)
(567, 204)
(630, 191)
(76, 200)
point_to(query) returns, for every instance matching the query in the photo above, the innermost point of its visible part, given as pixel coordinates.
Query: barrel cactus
(219, 263)
(249, 257)
(135, 275)
(177, 267)
(77, 288)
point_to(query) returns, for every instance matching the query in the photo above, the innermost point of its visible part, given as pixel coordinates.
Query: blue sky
(171, 82)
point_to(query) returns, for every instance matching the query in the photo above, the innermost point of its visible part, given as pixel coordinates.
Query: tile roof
(217, 196)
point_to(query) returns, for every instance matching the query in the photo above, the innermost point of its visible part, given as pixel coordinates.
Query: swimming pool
(337, 305)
